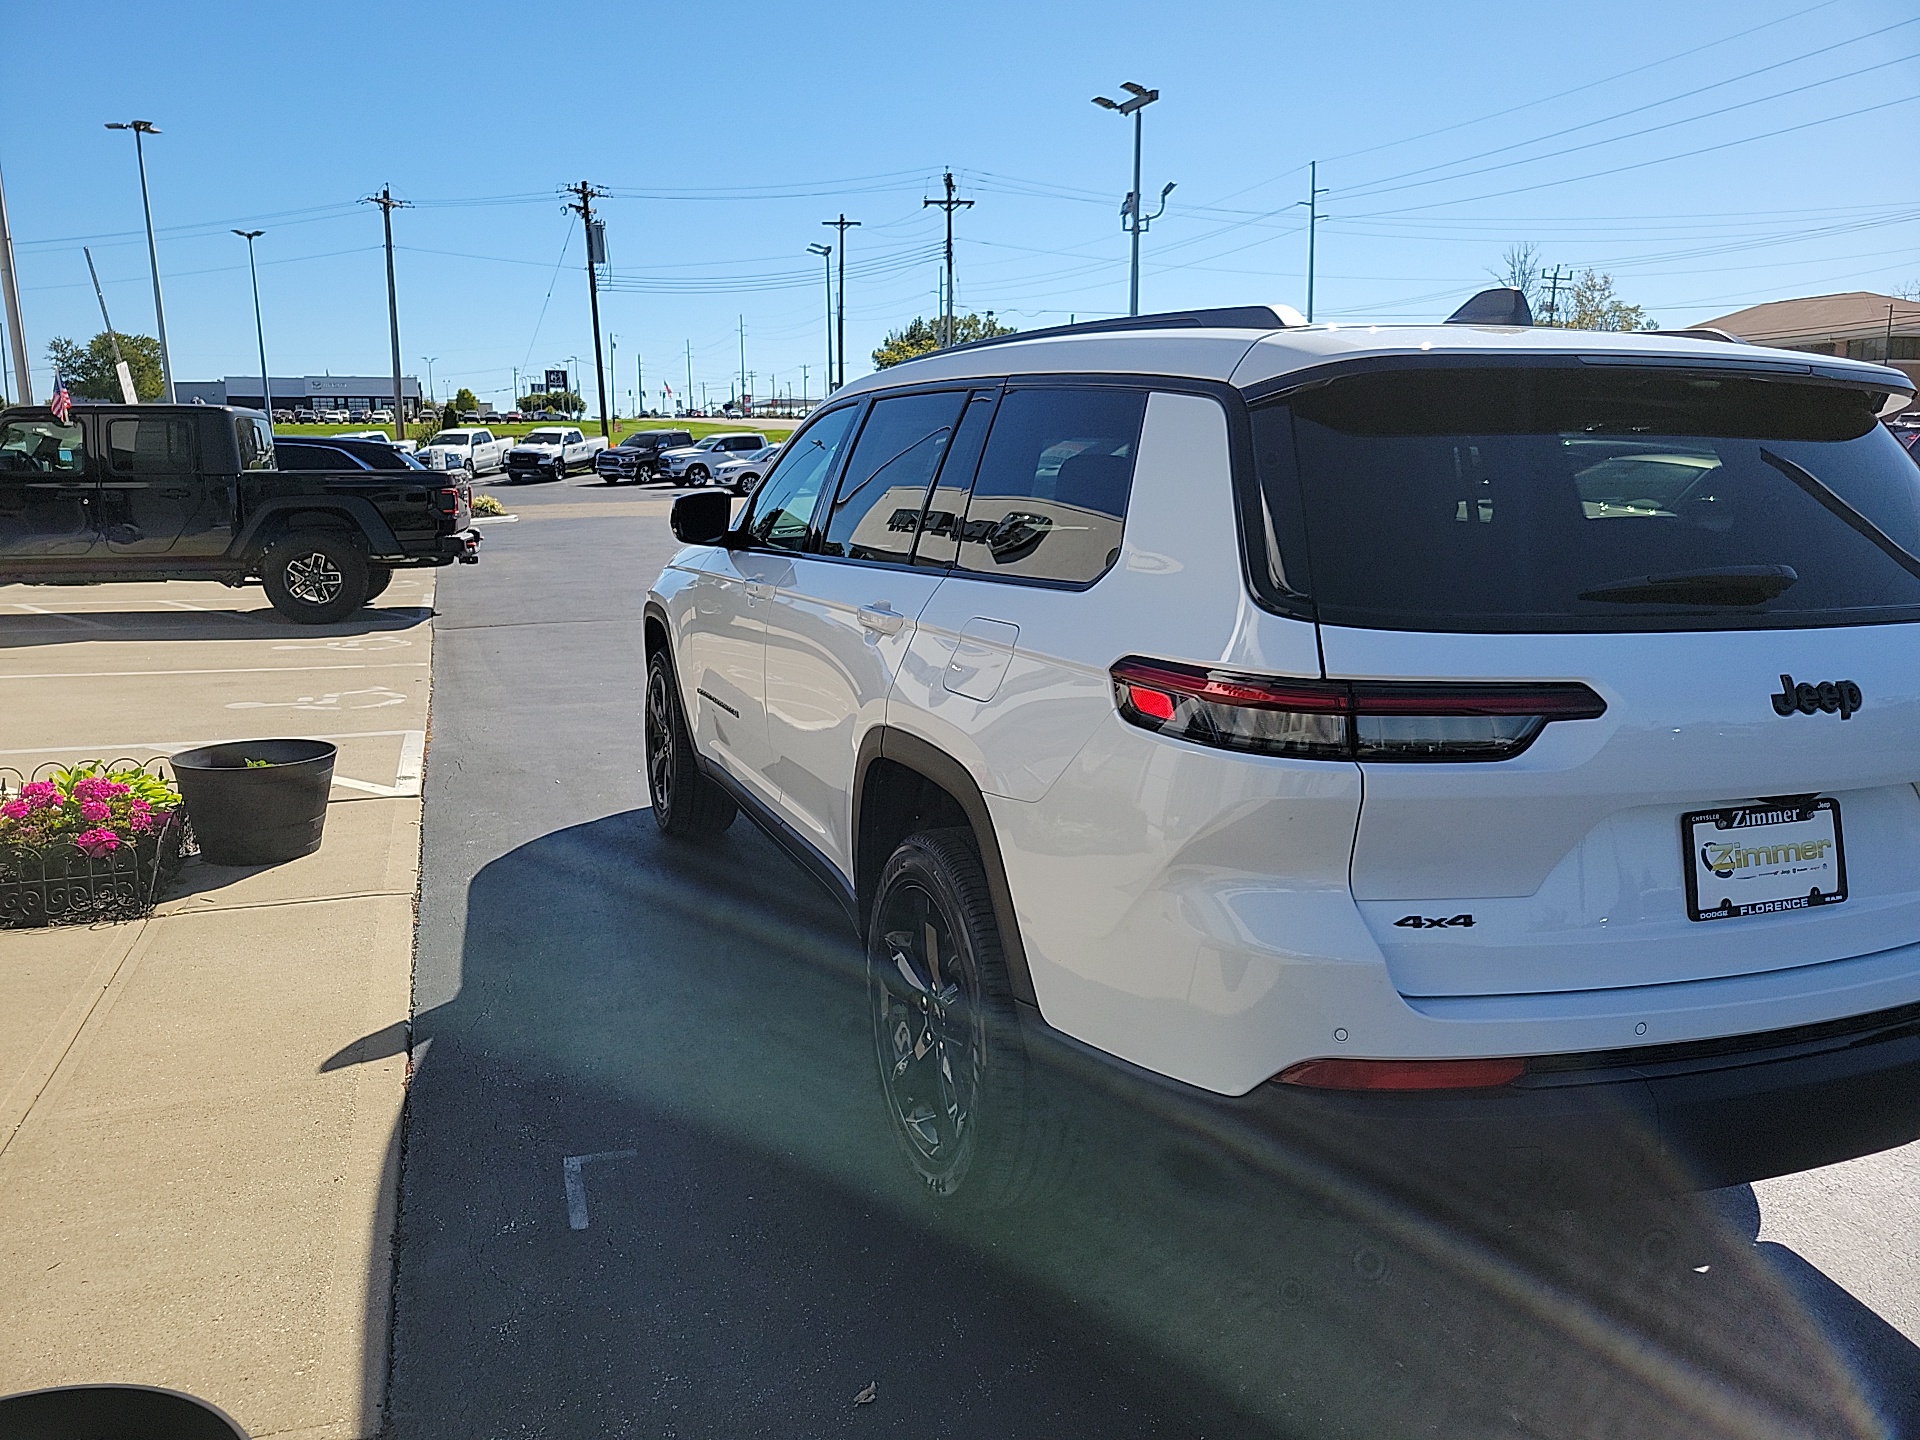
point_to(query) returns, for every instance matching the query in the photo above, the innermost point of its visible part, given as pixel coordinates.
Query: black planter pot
(256, 815)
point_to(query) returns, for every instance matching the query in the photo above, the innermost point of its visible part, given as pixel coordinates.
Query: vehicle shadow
(262, 622)
(647, 1190)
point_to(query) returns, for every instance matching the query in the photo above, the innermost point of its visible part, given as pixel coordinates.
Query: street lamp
(1133, 218)
(573, 373)
(259, 331)
(433, 392)
(825, 252)
(139, 128)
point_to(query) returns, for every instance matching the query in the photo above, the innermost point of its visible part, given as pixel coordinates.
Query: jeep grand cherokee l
(1456, 743)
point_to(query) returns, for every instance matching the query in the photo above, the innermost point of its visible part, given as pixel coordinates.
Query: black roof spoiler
(1502, 305)
(1228, 317)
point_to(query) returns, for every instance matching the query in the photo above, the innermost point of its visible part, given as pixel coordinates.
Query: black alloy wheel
(315, 577)
(961, 1098)
(686, 805)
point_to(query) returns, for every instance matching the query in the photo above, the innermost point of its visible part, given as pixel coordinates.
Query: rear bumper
(462, 546)
(1669, 1117)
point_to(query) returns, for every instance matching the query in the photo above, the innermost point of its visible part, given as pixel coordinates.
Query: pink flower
(97, 842)
(141, 821)
(40, 794)
(95, 787)
(96, 812)
(16, 810)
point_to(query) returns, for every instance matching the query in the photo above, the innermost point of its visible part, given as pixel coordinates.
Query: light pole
(259, 330)
(842, 225)
(433, 392)
(825, 252)
(573, 375)
(139, 128)
(1133, 217)
(613, 369)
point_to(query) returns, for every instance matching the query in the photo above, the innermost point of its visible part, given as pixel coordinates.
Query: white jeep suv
(1475, 745)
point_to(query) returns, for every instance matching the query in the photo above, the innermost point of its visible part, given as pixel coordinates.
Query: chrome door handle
(881, 619)
(758, 590)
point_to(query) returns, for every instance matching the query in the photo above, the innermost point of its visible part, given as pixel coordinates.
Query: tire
(315, 576)
(698, 475)
(960, 1092)
(744, 485)
(378, 578)
(686, 805)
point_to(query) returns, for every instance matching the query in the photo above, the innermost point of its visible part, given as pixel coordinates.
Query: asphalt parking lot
(647, 1190)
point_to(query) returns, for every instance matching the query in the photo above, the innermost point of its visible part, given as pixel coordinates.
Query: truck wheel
(686, 805)
(962, 1099)
(315, 577)
(378, 578)
(698, 475)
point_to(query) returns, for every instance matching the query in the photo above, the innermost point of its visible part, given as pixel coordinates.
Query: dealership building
(304, 392)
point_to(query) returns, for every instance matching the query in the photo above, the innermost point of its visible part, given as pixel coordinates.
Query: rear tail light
(1403, 1074)
(1343, 719)
(449, 500)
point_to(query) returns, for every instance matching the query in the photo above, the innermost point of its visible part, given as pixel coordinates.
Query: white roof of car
(1245, 357)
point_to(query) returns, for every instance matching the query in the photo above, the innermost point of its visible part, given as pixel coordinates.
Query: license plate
(1763, 857)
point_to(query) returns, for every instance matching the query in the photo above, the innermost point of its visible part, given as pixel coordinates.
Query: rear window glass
(1580, 499)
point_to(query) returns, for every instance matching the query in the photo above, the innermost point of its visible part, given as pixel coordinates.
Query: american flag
(61, 402)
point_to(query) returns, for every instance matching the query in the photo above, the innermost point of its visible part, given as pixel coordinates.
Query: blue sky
(1444, 133)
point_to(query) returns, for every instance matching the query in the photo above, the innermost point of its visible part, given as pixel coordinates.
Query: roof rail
(1704, 332)
(1229, 317)
(1502, 305)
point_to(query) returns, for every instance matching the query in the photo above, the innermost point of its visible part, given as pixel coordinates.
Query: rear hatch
(1729, 563)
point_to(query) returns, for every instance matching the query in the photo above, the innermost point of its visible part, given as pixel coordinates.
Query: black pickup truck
(193, 492)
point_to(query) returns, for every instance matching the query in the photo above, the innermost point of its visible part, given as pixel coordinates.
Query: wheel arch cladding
(902, 784)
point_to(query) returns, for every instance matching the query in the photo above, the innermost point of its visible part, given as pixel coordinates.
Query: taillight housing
(1344, 719)
(448, 500)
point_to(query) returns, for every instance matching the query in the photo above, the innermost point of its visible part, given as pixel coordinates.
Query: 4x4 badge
(1828, 695)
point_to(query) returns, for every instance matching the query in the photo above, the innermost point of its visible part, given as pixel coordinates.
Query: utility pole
(139, 128)
(127, 392)
(10, 283)
(640, 379)
(387, 205)
(1314, 191)
(950, 205)
(743, 357)
(803, 387)
(596, 255)
(688, 405)
(1555, 278)
(613, 365)
(842, 225)
(1133, 217)
(259, 330)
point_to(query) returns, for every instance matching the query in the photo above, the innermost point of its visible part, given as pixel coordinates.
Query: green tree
(1594, 306)
(922, 337)
(89, 372)
(464, 401)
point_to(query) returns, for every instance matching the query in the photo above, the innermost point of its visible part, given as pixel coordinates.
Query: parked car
(305, 417)
(380, 417)
(379, 437)
(283, 417)
(637, 457)
(741, 473)
(512, 417)
(205, 492)
(359, 417)
(1430, 744)
(552, 453)
(695, 463)
(477, 451)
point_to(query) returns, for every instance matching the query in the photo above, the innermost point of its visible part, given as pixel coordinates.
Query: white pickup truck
(474, 450)
(552, 451)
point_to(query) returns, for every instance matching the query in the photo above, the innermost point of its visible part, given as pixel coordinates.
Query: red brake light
(1344, 719)
(1403, 1074)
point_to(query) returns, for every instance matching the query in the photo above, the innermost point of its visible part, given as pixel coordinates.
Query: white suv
(1466, 743)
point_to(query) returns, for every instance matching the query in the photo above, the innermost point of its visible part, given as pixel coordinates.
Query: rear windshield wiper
(1719, 585)
(1820, 491)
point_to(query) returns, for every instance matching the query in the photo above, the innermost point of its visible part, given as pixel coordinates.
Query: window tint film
(1588, 499)
(1051, 493)
(154, 446)
(884, 487)
(783, 506)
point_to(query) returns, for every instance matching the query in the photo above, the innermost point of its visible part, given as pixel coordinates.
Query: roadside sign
(556, 380)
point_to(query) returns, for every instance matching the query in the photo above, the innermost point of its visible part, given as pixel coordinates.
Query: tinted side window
(151, 447)
(42, 446)
(1051, 494)
(877, 511)
(256, 443)
(783, 506)
(946, 508)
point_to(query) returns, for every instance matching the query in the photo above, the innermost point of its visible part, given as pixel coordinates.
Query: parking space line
(125, 747)
(577, 1187)
(56, 614)
(239, 670)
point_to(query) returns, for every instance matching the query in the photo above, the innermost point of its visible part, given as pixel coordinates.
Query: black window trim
(830, 483)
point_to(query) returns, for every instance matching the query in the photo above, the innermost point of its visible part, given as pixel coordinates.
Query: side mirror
(702, 519)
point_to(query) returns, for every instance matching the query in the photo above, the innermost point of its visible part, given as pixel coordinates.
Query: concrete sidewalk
(200, 1112)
